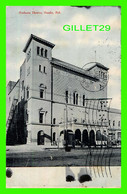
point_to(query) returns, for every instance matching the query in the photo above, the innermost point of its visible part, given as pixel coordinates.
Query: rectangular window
(41, 115)
(38, 50)
(66, 93)
(54, 121)
(41, 93)
(118, 123)
(39, 67)
(83, 100)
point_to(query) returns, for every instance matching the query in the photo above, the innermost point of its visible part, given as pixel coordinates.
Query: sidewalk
(29, 148)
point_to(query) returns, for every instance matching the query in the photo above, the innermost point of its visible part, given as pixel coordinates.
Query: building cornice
(40, 40)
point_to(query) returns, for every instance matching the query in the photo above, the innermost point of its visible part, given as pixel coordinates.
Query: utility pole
(66, 117)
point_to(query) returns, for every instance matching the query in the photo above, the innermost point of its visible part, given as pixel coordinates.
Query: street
(59, 157)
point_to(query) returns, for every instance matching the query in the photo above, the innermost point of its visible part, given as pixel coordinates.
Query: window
(99, 74)
(75, 98)
(39, 67)
(54, 121)
(45, 53)
(113, 123)
(38, 50)
(41, 117)
(105, 76)
(44, 69)
(22, 85)
(66, 93)
(27, 93)
(42, 90)
(109, 122)
(83, 100)
(102, 75)
(41, 93)
(54, 136)
(118, 123)
(42, 52)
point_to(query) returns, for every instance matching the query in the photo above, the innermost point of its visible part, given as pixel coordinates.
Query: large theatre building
(53, 98)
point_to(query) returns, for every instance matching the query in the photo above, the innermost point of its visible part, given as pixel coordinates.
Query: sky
(75, 47)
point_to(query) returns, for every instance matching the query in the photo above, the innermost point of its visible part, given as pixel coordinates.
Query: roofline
(74, 70)
(99, 65)
(115, 110)
(40, 40)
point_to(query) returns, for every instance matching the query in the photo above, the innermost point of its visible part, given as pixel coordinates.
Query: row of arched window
(114, 123)
(75, 98)
(42, 52)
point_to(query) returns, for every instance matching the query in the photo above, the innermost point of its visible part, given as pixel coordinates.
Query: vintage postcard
(63, 97)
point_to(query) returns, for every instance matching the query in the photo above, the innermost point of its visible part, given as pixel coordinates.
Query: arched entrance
(54, 136)
(78, 137)
(98, 136)
(92, 138)
(40, 138)
(85, 139)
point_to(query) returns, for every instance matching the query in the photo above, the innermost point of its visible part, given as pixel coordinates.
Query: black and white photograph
(63, 97)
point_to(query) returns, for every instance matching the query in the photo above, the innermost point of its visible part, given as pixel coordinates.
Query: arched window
(27, 94)
(54, 136)
(66, 96)
(42, 50)
(38, 50)
(83, 100)
(113, 123)
(39, 67)
(75, 98)
(44, 69)
(46, 53)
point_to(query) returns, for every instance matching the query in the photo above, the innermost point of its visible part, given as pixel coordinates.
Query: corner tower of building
(38, 85)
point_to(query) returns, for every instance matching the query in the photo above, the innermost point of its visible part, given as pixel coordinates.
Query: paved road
(59, 157)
